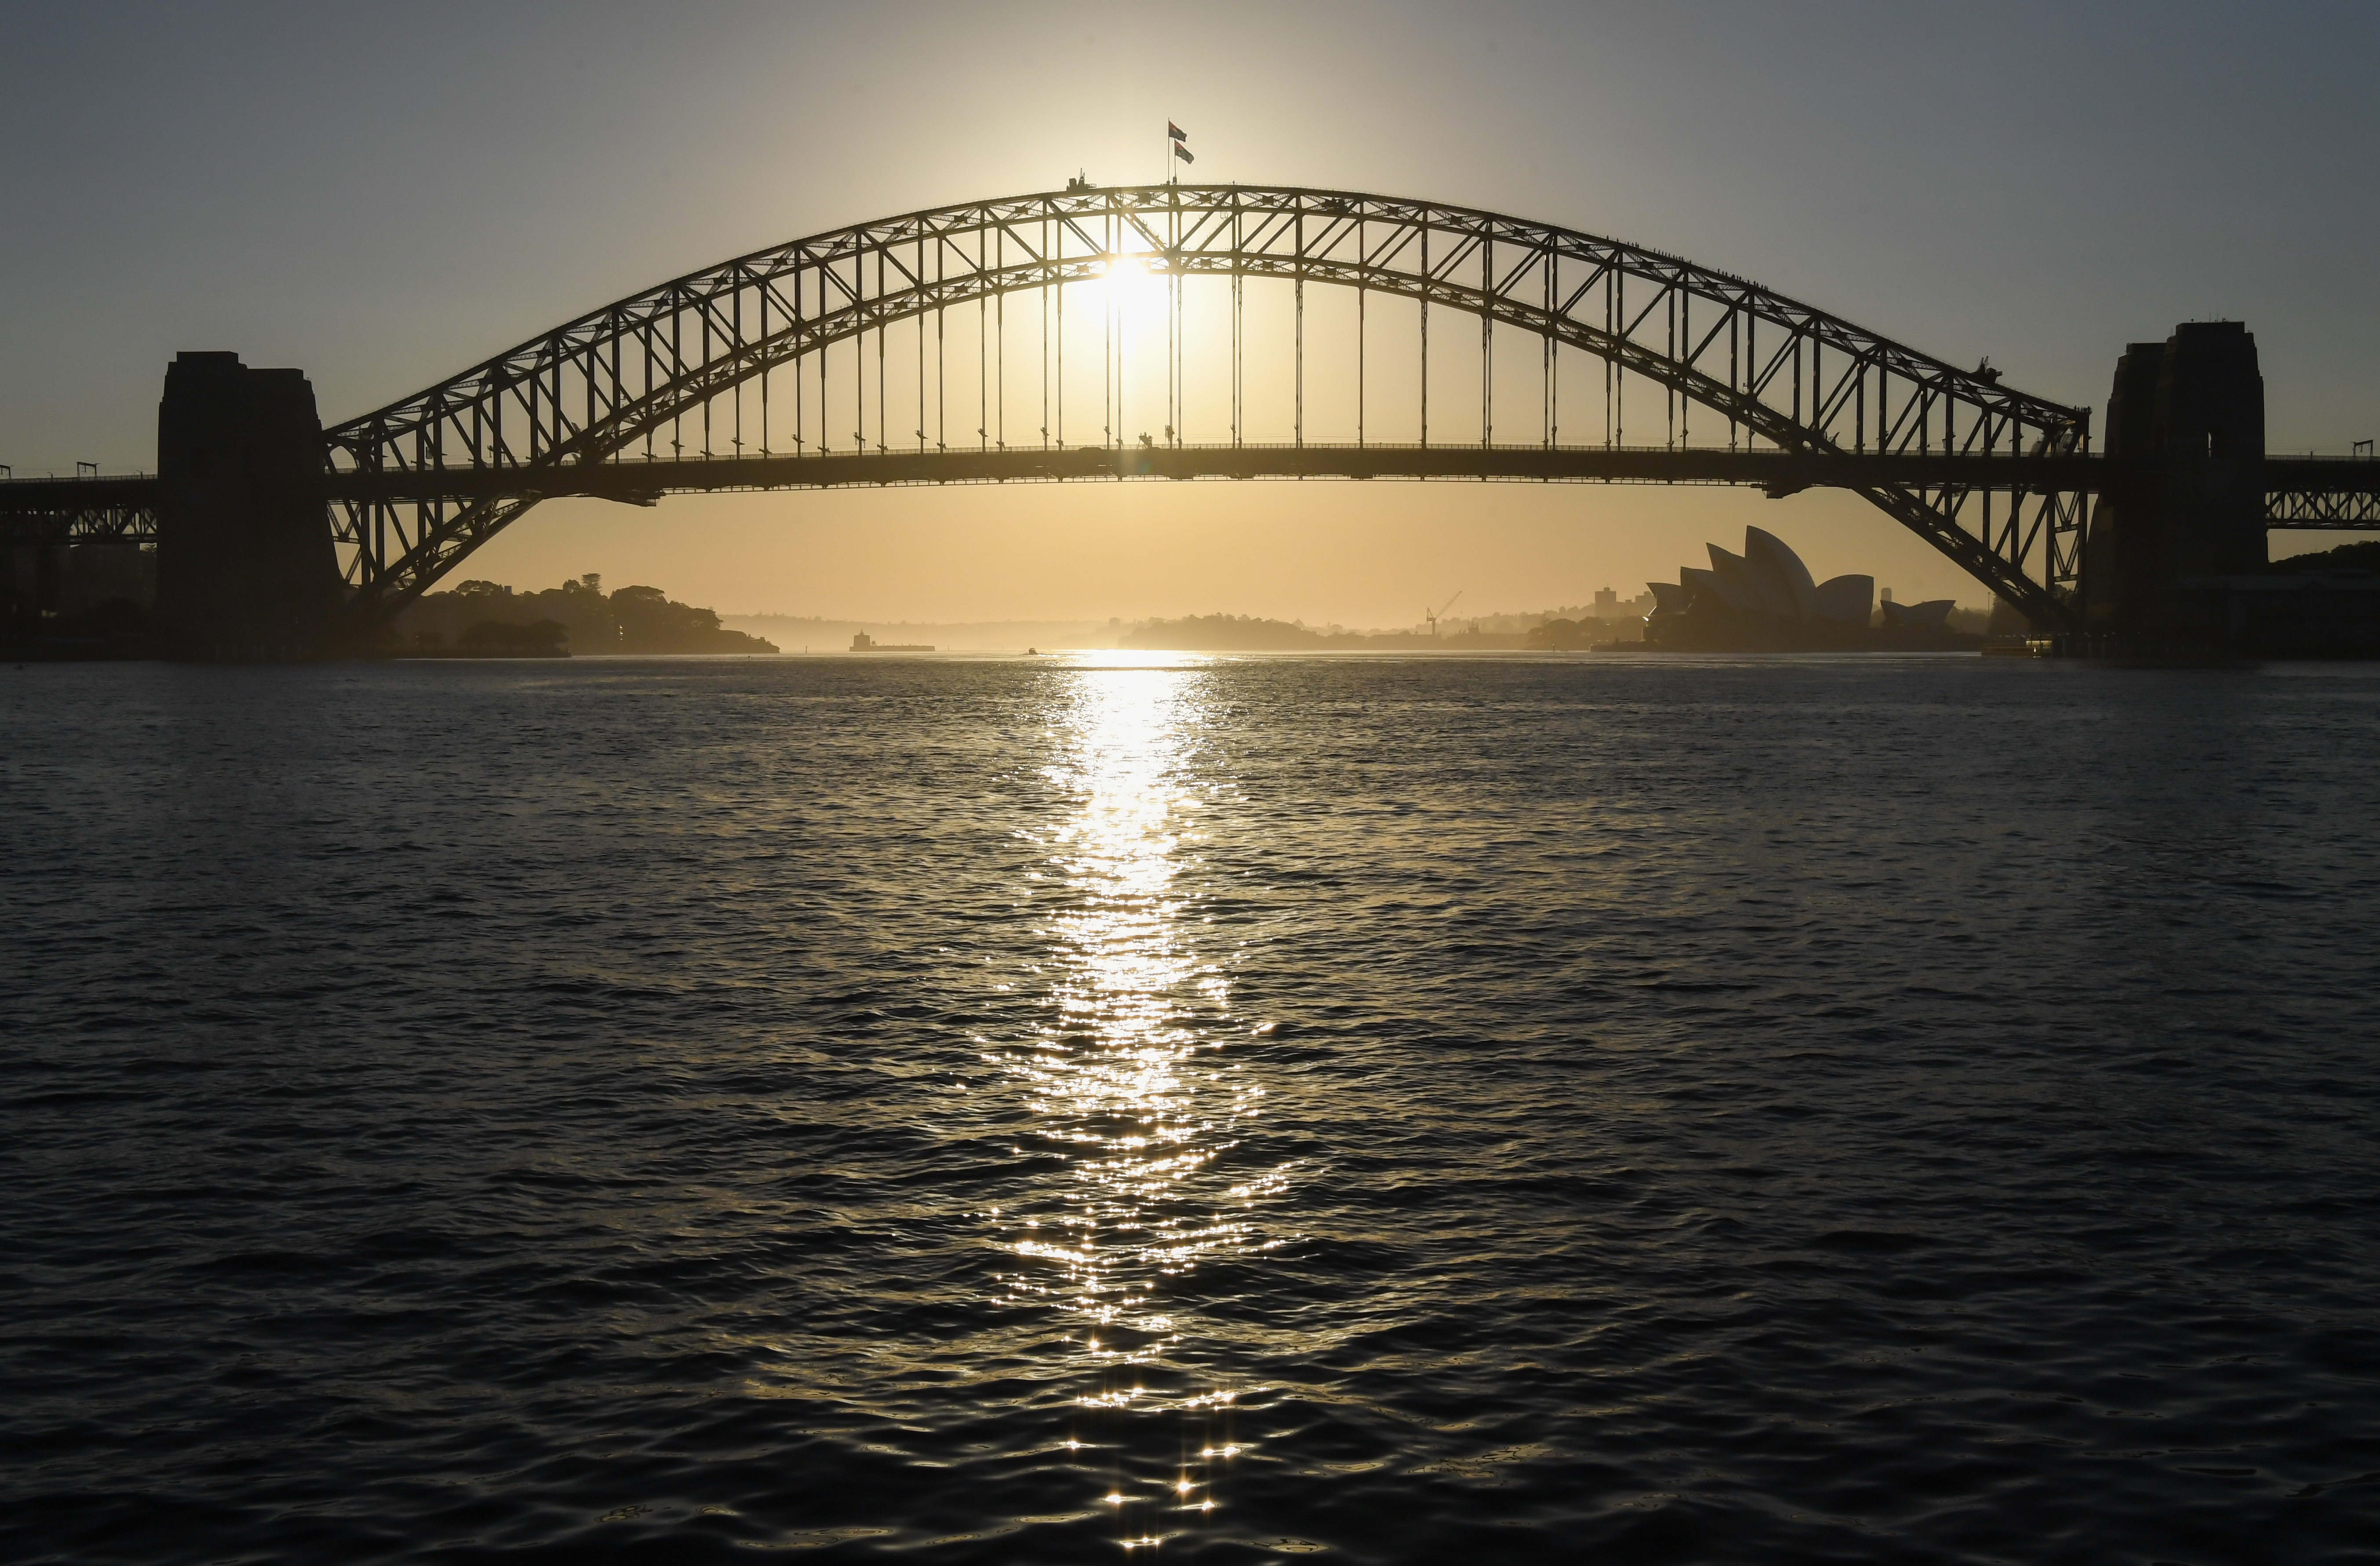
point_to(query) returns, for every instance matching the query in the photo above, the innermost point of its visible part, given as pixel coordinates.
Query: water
(1595, 1109)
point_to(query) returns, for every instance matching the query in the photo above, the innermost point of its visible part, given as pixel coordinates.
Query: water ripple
(1856, 1109)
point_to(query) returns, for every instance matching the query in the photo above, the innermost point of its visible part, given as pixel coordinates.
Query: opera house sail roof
(1767, 597)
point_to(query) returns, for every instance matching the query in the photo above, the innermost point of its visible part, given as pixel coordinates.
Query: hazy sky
(381, 195)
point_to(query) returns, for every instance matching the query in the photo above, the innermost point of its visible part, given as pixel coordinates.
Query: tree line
(582, 618)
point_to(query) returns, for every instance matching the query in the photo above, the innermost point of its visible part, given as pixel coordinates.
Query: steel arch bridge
(742, 356)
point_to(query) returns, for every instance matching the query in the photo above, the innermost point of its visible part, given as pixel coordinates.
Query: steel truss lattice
(2323, 510)
(1781, 376)
(62, 512)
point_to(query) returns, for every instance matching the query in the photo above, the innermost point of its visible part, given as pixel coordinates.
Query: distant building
(1766, 600)
(1933, 614)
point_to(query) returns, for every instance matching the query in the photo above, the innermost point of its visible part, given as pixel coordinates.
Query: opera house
(1764, 600)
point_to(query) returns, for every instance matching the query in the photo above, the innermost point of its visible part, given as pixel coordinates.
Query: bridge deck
(1780, 472)
(2302, 478)
(2300, 492)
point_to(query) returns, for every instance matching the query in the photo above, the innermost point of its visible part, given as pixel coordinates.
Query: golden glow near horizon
(1129, 1077)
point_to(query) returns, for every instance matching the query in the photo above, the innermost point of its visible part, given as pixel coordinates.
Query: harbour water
(1375, 1110)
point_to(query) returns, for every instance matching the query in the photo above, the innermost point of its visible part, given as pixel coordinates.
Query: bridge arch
(472, 453)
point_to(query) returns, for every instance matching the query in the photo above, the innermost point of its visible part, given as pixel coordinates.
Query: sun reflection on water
(1131, 1078)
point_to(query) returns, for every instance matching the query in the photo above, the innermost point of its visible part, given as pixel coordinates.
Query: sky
(381, 195)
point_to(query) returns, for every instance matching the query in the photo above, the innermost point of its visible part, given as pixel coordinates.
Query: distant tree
(1565, 636)
(2362, 555)
(1220, 633)
(651, 620)
(637, 619)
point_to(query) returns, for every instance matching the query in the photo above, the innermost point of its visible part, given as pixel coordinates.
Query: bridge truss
(60, 513)
(2322, 493)
(745, 375)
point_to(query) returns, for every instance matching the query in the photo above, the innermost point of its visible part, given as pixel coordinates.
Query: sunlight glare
(1128, 1074)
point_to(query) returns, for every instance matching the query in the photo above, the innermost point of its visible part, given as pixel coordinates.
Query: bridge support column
(245, 567)
(2186, 506)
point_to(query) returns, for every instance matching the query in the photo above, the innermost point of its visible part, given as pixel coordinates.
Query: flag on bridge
(1183, 153)
(1176, 132)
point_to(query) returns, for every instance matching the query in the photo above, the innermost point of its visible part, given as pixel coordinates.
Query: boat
(863, 642)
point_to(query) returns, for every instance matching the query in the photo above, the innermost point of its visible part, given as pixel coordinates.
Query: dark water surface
(1588, 1110)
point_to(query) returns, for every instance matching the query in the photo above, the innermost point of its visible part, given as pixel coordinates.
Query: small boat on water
(863, 642)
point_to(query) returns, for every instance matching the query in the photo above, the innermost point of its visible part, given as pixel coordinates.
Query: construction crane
(1431, 614)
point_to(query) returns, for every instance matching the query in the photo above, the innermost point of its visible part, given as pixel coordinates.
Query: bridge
(1302, 333)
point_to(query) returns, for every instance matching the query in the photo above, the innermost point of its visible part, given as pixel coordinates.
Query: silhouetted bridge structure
(936, 348)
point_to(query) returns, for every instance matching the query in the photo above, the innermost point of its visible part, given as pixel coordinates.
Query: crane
(1431, 614)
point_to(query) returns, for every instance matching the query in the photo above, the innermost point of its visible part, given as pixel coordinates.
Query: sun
(1133, 285)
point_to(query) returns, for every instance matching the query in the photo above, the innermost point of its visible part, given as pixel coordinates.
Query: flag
(1176, 132)
(1183, 153)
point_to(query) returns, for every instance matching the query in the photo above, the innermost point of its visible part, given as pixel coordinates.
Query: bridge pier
(245, 567)
(2183, 509)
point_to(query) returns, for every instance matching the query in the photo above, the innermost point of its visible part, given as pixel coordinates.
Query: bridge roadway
(2310, 492)
(2319, 492)
(1777, 473)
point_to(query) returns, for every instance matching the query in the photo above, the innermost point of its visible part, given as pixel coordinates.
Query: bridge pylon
(246, 564)
(2185, 498)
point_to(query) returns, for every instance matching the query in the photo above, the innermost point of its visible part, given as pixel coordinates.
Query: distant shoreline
(1208, 633)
